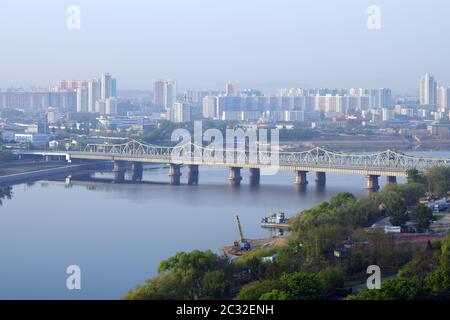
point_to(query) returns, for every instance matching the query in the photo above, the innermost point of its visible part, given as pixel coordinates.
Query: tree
(302, 286)
(254, 290)
(5, 155)
(422, 263)
(214, 285)
(395, 207)
(193, 267)
(275, 295)
(341, 199)
(194, 275)
(410, 192)
(163, 287)
(438, 179)
(394, 289)
(438, 282)
(414, 176)
(423, 216)
(5, 193)
(331, 278)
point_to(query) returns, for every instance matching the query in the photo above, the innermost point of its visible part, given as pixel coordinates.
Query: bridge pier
(301, 178)
(254, 176)
(372, 182)
(391, 180)
(119, 171)
(174, 174)
(137, 169)
(193, 175)
(321, 178)
(234, 177)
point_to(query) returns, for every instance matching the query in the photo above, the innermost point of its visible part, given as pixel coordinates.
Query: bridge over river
(388, 163)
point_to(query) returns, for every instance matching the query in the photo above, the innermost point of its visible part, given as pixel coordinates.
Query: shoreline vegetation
(327, 253)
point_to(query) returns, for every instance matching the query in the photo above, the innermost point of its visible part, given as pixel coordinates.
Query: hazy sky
(203, 43)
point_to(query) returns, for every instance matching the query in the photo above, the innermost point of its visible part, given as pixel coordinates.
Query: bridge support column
(391, 179)
(193, 175)
(301, 178)
(372, 182)
(254, 176)
(174, 174)
(234, 177)
(119, 171)
(136, 171)
(321, 178)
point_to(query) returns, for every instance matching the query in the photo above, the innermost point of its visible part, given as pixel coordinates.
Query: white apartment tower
(170, 93)
(106, 85)
(428, 90)
(443, 98)
(181, 112)
(82, 99)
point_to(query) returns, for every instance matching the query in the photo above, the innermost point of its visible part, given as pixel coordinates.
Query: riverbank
(62, 170)
(20, 166)
(370, 144)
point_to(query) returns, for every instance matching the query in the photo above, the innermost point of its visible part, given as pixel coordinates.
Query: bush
(254, 290)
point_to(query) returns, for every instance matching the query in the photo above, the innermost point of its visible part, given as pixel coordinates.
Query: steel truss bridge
(386, 163)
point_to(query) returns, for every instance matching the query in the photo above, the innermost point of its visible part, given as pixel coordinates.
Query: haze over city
(202, 44)
(231, 152)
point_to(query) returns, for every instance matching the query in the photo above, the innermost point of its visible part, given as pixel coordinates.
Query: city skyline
(171, 40)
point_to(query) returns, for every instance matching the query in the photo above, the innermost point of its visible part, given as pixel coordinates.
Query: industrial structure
(388, 163)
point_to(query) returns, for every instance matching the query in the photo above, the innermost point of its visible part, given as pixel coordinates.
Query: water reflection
(123, 231)
(5, 193)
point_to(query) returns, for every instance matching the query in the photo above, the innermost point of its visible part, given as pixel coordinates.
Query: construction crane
(242, 243)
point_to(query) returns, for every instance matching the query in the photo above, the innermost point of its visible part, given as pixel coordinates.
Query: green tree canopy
(254, 290)
(194, 275)
(302, 286)
(396, 208)
(423, 217)
(394, 289)
(438, 180)
(414, 176)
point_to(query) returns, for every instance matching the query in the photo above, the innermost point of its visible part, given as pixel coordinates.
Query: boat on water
(275, 220)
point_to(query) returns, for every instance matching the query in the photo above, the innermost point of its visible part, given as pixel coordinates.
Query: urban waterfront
(118, 233)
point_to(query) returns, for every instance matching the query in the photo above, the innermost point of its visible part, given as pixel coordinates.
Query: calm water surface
(118, 233)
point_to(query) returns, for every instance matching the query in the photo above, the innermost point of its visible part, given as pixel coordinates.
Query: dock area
(255, 244)
(270, 225)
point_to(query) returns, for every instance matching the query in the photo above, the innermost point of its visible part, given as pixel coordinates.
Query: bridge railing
(317, 157)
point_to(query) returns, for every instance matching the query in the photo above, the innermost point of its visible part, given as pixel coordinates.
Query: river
(118, 233)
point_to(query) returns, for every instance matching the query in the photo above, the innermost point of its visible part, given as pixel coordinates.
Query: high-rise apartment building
(88, 92)
(105, 82)
(384, 98)
(170, 93)
(443, 94)
(82, 99)
(428, 90)
(164, 94)
(181, 112)
(158, 95)
(229, 89)
(111, 106)
(210, 107)
(93, 89)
